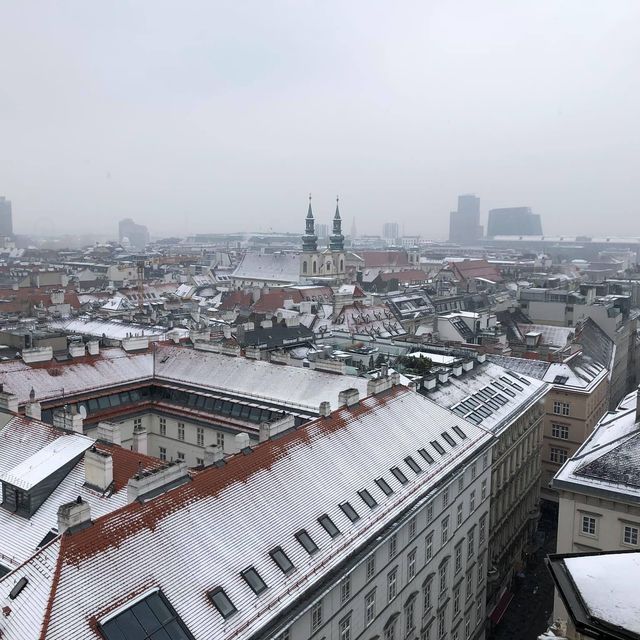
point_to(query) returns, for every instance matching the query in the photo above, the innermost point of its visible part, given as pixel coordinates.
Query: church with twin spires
(330, 262)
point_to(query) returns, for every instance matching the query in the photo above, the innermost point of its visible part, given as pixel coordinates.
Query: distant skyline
(220, 116)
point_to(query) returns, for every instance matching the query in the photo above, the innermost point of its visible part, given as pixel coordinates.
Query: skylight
(349, 511)
(329, 525)
(460, 432)
(437, 446)
(281, 559)
(368, 498)
(449, 439)
(18, 587)
(413, 465)
(150, 618)
(426, 455)
(305, 540)
(400, 477)
(384, 485)
(222, 602)
(253, 579)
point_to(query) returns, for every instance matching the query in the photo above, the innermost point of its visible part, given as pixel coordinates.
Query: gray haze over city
(197, 117)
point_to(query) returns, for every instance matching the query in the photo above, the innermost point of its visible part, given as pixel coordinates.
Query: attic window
(384, 485)
(147, 619)
(349, 511)
(459, 432)
(281, 559)
(413, 465)
(438, 447)
(329, 525)
(17, 589)
(253, 579)
(426, 455)
(560, 380)
(399, 476)
(222, 602)
(305, 540)
(368, 498)
(449, 439)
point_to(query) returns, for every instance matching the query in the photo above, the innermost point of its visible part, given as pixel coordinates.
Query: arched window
(328, 266)
(341, 266)
(314, 266)
(304, 267)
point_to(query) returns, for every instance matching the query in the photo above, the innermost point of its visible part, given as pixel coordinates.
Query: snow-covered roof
(269, 267)
(489, 395)
(609, 460)
(111, 329)
(268, 495)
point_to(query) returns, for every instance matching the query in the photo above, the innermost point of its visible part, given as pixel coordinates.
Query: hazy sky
(219, 116)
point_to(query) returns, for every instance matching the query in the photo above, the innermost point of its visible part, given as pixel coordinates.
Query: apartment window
(461, 484)
(429, 512)
(472, 502)
(369, 608)
(409, 616)
(411, 564)
(456, 601)
(560, 431)
(483, 490)
(393, 545)
(163, 453)
(200, 436)
(480, 569)
(345, 628)
(180, 455)
(473, 471)
(445, 498)
(469, 583)
(458, 558)
(371, 566)
(445, 530)
(478, 612)
(558, 456)
(316, 616)
(220, 440)
(560, 408)
(442, 574)
(442, 627)
(345, 590)
(390, 628)
(392, 584)
(459, 515)
(412, 528)
(199, 462)
(137, 423)
(630, 535)
(428, 547)
(368, 499)
(483, 528)
(470, 543)
(180, 430)
(425, 634)
(588, 526)
(163, 426)
(426, 596)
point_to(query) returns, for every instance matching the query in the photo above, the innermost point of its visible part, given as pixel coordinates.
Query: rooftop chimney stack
(212, 454)
(73, 515)
(93, 347)
(33, 410)
(140, 440)
(8, 402)
(109, 432)
(98, 469)
(69, 419)
(349, 397)
(240, 442)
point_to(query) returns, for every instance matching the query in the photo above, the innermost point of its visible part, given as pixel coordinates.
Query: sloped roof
(406, 275)
(267, 495)
(273, 300)
(278, 267)
(374, 259)
(469, 269)
(234, 299)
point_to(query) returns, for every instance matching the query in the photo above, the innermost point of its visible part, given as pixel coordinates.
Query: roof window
(426, 455)
(459, 432)
(281, 559)
(384, 485)
(222, 602)
(449, 440)
(18, 587)
(413, 465)
(437, 446)
(253, 579)
(349, 511)
(399, 476)
(329, 525)
(368, 498)
(305, 540)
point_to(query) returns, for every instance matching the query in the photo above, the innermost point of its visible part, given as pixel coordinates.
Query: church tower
(310, 260)
(336, 242)
(310, 239)
(334, 256)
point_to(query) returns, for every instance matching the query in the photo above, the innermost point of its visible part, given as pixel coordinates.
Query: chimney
(240, 442)
(98, 469)
(109, 432)
(378, 385)
(93, 347)
(395, 378)
(349, 397)
(443, 376)
(456, 370)
(212, 454)
(384, 370)
(270, 429)
(226, 332)
(157, 481)
(69, 419)
(429, 382)
(8, 402)
(74, 515)
(76, 349)
(325, 409)
(467, 365)
(140, 440)
(481, 357)
(33, 410)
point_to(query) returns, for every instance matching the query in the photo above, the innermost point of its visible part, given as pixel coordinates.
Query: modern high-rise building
(6, 222)
(136, 234)
(390, 231)
(464, 224)
(513, 221)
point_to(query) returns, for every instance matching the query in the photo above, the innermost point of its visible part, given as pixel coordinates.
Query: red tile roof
(385, 258)
(469, 269)
(270, 302)
(236, 299)
(406, 275)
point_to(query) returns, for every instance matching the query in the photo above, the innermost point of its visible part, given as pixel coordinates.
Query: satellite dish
(83, 411)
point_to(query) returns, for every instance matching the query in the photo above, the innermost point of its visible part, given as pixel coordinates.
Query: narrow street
(530, 610)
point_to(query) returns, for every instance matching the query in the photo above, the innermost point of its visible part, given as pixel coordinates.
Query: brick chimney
(98, 469)
(74, 515)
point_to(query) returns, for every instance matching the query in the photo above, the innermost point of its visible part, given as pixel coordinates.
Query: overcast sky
(221, 116)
